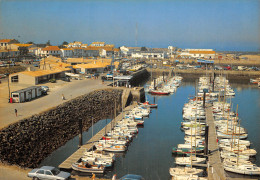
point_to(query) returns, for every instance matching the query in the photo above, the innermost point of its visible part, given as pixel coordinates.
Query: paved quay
(78, 154)
(216, 170)
(70, 90)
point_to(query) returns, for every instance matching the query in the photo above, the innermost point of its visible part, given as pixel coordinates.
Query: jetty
(215, 170)
(89, 145)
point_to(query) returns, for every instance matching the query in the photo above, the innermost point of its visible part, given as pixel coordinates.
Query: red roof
(5, 40)
(51, 48)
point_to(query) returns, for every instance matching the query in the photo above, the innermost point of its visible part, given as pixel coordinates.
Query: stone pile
(28, 142)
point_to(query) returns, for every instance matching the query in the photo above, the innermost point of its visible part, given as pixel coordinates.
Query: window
(48, 173)
(15, 95)
(40, 171)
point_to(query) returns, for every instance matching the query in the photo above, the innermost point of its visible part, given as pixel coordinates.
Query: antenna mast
(136, 33)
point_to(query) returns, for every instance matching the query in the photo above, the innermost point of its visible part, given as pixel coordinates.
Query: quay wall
(191, 73)
(139, 77)
(28, 142)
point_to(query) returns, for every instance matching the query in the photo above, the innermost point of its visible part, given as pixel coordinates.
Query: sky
(217, 24)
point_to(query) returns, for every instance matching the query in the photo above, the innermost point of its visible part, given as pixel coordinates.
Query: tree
(143, 49)
(65, 43)
(48, 43)
(30, 42)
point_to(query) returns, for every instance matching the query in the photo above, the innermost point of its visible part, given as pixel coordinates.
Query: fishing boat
(159, 92)
(88, 168)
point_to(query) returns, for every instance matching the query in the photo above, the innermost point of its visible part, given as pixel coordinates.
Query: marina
(157, 122)
(89, 145)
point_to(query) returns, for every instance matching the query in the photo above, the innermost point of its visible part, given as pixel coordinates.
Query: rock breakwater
(28, 142)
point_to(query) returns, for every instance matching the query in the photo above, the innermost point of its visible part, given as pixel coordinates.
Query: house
(97, 44)
(67, 52)
(22, 48)
(9, 55)
(4, 43)
(149, 54)
(51, 50)
(74, 44)
(198, 53)
(34, 51)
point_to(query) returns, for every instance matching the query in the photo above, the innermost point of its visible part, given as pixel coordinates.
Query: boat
(246, 169)
(115, 148)
(188, 177)
(187, 151)
(159, 92)
(88, 168)
(226, 154)
(150, 105)
(185, 171)
(188, 160)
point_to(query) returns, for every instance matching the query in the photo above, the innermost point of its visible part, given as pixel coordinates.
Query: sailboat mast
(238, 144)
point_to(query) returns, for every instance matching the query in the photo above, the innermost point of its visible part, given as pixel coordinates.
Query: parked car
(132, 177)
(88, 76)
(48, 172)
(67, 79)
(96, 75)
(227, 68)
(45, 88)
(52, 80)
(218, 68)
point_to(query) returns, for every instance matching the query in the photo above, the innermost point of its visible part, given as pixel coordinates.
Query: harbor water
(149, 154)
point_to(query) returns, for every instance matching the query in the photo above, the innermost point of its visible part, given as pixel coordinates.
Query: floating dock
(78, 154)
(216, 170)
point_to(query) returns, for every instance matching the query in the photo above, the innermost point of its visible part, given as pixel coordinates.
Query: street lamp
(7, 74)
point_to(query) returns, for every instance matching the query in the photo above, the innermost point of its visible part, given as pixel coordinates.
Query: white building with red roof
(51, 50)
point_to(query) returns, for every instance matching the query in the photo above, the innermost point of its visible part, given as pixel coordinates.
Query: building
(198, 53)
(149, 54)
(97, 44)
(51, 50)
(9, 55)
(4, 43)
(22, 48)
(67, 52)
(37, 77)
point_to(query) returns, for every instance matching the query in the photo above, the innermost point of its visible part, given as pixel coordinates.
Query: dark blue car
(132, 177)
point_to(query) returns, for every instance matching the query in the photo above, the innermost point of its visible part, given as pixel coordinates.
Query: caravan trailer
(26, 94)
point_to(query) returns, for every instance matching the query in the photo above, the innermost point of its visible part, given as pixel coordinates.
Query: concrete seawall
(230, 74)
(28, 142)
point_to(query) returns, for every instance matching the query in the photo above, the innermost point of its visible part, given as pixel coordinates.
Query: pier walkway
(77, 155)
(216, 170)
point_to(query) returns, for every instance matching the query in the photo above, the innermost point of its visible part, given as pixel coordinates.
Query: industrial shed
(36, 77)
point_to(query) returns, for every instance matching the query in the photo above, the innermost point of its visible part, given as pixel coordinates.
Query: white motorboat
(192, 160)
(242, 169)
(185, 171)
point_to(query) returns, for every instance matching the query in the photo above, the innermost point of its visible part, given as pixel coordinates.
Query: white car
(45, 88)
(48, 172)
